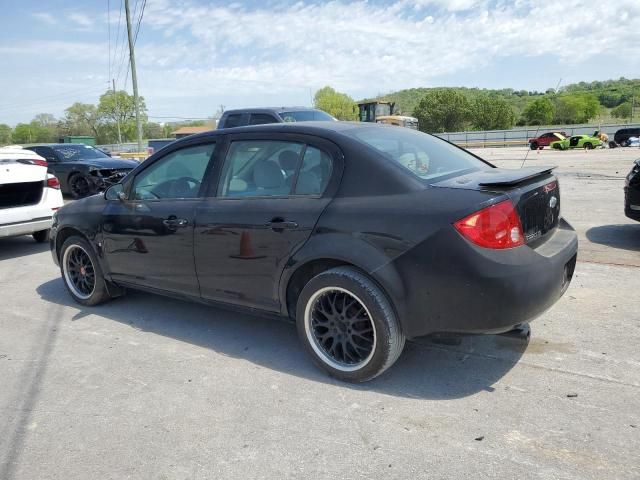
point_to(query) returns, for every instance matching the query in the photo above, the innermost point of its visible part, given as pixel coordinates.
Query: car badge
(553, 201)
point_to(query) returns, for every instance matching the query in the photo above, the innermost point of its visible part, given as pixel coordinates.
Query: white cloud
(82, 20)
(45, 17)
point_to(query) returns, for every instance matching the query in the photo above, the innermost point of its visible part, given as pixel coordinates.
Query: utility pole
(134, 77)
(115, 101)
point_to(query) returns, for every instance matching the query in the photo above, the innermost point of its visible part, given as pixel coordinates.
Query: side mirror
(115, 192)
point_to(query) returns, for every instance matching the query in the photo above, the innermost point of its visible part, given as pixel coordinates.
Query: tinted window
(234, 120)
(425, 156)
(74, 152)
(306, 116)
(261, 119)
(177, 175)
(314, 173)
(257, 168)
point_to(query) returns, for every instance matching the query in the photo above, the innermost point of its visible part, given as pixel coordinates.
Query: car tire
(624, 143)
(80, 186)
(348, 325)
(588, 146)
(534, 145)
(41, 236)
(81, 272)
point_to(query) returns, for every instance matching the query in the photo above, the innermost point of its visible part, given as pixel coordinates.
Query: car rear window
(425, 156)
(306, 116)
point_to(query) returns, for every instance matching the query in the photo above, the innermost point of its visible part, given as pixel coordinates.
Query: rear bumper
(451, 285)
(25, 228)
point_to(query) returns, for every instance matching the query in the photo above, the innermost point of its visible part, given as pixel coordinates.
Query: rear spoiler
(505, 177)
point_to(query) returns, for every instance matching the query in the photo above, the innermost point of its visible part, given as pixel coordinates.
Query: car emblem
(553, 201)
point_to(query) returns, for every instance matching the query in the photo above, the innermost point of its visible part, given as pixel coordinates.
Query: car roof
(18, 152)
(57, 145)
(318, 128)
(270, 109)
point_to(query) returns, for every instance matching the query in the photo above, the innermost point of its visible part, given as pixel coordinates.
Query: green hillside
(615, 100)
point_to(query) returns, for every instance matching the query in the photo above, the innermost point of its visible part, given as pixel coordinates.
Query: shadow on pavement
(15, 247)
(425, 370)
(624, 236)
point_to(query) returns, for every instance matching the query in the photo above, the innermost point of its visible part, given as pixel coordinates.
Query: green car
(577, 141)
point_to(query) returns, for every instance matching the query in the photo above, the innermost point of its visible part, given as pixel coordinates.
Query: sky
(194, 55)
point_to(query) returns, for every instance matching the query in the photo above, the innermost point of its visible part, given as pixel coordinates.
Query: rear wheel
(81, 272)
(348, 326)
(41, 236)
(624, 143)
(534, 145)
(80, 186)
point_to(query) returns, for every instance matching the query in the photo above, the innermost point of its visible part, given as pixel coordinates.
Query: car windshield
(306, 116)
(70, 153)
(425, 156)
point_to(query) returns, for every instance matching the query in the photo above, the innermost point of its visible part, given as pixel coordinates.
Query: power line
(109, 33)
(51, 98)
(135, 38)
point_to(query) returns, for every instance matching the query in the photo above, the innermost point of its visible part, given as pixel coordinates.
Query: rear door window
(259, 168)
(261, 119)
(234, 120)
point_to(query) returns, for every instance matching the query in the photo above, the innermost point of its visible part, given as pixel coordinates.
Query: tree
(153, 130)
(82, 119)
(491, 113)
(32, 132)
(340, 105)
(5, 134)
(120, 107)
(539, 112)
(443, 110)
(622, 111)
(576, 108)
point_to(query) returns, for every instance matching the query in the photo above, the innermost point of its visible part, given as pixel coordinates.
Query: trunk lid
(534, 191)
(14, 171)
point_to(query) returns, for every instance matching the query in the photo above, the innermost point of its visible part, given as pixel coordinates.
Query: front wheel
(348, 325)
(81, 272)
(588, 146)
(80, 186)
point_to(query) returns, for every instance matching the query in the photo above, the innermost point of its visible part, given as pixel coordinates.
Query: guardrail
(521, 136)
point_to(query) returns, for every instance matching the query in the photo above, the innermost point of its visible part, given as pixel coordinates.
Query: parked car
(363, 234)
(622, 136)
(632, 192)
(577, 141)
(28, 194)
(545, 139)
(83, 170)
(260, 116)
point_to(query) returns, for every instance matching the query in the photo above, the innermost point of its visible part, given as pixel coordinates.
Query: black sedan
(363, 234)
(83, 170)
(632, 192)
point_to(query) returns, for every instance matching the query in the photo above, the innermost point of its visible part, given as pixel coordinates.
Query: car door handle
(281, 224)
(173, 222)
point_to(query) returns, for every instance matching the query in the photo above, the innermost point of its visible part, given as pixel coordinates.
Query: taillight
(497, 226)
(53, 182)
(42, 163)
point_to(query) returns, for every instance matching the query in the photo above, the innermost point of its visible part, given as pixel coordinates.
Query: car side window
(177, 175)
(259, 168)
(314, 173)
(261, 119)
(233, 120)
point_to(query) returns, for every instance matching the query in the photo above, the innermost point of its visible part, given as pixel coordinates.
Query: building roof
(191, 130)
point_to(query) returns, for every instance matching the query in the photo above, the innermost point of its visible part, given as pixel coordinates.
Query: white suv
(29, 195)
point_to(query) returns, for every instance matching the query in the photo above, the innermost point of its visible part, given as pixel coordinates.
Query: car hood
(109, 163)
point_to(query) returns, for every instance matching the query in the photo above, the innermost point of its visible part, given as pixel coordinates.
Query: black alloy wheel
(341, 328)
(81, 272)
(80, 186)
(347, 325)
